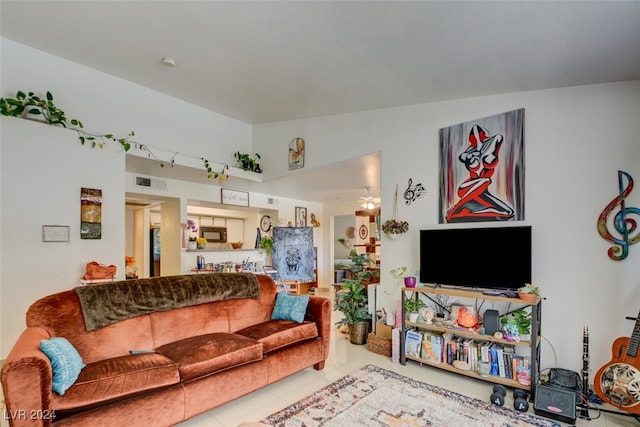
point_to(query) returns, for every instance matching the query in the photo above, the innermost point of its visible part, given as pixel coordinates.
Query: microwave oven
(214, 234)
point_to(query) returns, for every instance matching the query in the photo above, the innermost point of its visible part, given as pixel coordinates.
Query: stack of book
(435, 348)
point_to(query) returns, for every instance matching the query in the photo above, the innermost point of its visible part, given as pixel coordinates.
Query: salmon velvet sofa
(159, 365)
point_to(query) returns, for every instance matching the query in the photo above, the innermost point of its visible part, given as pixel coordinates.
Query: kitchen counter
(220, 256)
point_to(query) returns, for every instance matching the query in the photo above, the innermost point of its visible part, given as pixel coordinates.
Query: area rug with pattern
(373, 396)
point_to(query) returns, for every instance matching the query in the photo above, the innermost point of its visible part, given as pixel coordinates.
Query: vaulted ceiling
(269, 61)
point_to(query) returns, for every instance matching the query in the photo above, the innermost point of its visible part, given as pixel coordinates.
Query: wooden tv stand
(532, 346)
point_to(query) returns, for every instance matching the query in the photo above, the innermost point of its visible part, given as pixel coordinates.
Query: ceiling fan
(368, 201)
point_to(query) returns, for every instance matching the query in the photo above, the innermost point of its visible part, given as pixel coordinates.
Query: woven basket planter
(379, 345)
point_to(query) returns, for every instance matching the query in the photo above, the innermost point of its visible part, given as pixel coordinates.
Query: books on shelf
(436, 347)
(412, 343)
(501, 367)
(432, 348)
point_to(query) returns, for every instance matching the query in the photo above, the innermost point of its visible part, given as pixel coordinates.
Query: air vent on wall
(143, 181)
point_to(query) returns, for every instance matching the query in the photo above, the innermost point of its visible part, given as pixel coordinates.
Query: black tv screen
(484, 258)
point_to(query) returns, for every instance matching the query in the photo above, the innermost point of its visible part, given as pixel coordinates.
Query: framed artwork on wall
(301, 216)
(296, 153)
(90, 213)
(293, 253)
(234, 197)
(55, 233)
(482, 169)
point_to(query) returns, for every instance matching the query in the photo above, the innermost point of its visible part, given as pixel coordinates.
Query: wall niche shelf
(531, 348)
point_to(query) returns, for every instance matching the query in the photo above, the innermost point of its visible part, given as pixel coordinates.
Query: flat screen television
(483, 258)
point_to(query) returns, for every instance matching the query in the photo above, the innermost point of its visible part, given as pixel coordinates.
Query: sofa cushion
(66, 363)
(114, 378)
(206, 354)
(276, 334)
(290, 307)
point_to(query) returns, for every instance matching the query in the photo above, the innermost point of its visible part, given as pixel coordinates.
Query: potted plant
(201, 243)
(31, 104)
(393, 227)
(412, 306)
(266, 243)
(352, 302)
(192, 230)
(360, 267)
(517, 324)
(403, 273)
(247, 162)
(529, 292)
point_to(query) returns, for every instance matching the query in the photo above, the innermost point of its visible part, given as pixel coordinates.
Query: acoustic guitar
(618, 382)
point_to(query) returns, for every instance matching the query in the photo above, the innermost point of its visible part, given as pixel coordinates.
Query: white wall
(342, 223)
(576, 139)
(42, 171)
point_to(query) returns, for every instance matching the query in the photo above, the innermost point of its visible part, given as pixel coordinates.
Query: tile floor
(344, 359)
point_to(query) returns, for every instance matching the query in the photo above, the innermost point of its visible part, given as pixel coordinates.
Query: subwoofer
(491, 319)
(555, 403)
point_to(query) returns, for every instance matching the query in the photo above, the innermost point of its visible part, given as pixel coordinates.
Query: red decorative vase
(410, 282)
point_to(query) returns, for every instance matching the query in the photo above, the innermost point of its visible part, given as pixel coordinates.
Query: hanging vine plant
(394, 227)
(44, 109)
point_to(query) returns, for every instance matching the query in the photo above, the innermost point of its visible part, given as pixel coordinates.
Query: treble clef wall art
(622, 222)
(413, 192)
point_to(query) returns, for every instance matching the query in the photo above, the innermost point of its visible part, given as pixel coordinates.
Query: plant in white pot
(412, 306)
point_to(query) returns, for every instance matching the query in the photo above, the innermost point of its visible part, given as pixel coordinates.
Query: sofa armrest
(26, 380)
(319, 311)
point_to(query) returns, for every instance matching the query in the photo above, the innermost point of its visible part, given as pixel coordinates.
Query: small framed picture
(301, 216)
(235, 198)
(55, 233)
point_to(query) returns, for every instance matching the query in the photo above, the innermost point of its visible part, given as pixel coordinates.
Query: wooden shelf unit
(533, 345)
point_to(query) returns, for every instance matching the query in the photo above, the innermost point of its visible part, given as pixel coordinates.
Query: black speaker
(491, 322)
(555, 403)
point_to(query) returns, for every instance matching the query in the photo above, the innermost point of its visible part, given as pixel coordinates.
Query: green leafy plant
(24, 104)
(31, 104)
(266, 243)
(360, 266)
(413, 305)
(247, 162)
(520, 318)
(529, 289)
(352, 302)
(400, 272)
(393, 226)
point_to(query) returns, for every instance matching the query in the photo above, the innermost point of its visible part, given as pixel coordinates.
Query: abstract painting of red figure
(482, 169)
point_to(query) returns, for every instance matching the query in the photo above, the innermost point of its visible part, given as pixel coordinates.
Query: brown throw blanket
(108, 303)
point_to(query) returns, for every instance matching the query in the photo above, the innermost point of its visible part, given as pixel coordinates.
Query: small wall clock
(265, 223)
(363, 231)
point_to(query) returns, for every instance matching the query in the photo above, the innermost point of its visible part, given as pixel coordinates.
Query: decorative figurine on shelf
(427, 314)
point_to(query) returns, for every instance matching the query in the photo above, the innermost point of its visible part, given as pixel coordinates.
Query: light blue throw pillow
(290, 307)
(65, 362)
